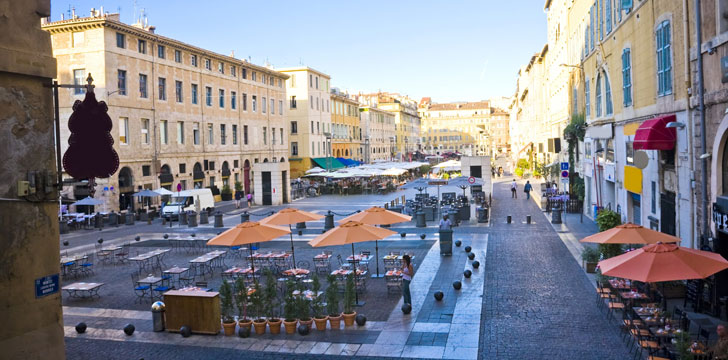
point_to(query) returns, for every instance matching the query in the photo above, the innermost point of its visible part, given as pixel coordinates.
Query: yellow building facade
(346, 132)
(456, 127)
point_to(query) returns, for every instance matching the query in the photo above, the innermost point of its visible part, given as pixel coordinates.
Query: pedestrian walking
(250, 199)
(445, 223)
(514, 189)
(407, 272)
(527, 189)
(238, 198)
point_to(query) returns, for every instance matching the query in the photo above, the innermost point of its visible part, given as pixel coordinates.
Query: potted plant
(241, 297)
(271, 303)
(226, 308)
(319, 315)
(289, 308)
(226, 194)
(302, 307)
(590, 256)
(607, 219)
(332, 303)
(256, 299)
(349, 313)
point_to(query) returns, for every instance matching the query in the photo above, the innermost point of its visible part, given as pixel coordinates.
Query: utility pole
(701, 109)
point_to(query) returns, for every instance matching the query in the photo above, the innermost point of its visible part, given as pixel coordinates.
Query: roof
(460, 106)
(303, 68)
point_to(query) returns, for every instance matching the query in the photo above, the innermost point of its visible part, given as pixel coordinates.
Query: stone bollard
(508, 219)
(329, 221)
(191, 219)
(130, 218)
(204, 219)
(420, 217)
(218, 219)
(245, 216)
(183, 218)
(528, 219)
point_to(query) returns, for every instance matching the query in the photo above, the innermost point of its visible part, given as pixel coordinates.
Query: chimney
(73, 13)
(101, 11)
(62, 17)
(93, 12)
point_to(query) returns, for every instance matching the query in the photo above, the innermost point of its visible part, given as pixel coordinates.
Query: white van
(187, 200)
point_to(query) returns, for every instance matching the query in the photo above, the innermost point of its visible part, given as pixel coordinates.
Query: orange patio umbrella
(377, 216)
(630, 234)
(290, 216)
(349, 233)
(248, 233)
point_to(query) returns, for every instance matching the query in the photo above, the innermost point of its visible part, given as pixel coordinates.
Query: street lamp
(366, 149)
(328, 151)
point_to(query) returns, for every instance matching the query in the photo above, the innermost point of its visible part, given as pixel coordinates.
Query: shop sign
(720, 217)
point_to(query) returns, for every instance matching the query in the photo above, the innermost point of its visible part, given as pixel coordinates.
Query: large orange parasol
(290, 216)
(377, 216)
(630, 234)
(664, 262)
(350, 233)
(248, 233)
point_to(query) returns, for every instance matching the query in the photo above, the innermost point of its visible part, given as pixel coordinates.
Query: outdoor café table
(83, 289)
(620, 284)
(176, 272)
(236, 271)
(148, 258)
(359, 258)
(346, 272)
(298, 273)
(393, 273)
(204, 263)
(307, 294)
(150, 280)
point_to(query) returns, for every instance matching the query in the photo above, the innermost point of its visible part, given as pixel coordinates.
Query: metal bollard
(420, 217)
(130, 218)
(158, 316)
(528, 219)
(245, 216)
(192, 219)
(218, 219)
(328, 222)
(508, 219)
(204, 219)
(183, 218)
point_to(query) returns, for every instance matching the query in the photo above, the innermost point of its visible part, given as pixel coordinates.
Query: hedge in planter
(349, 301)
(226, 308)
(607, 219)
(271, 305)
(256, 300)
(332, 303)
(241, 301)
(590, 256)
(302, 307)
(289, 309)
(319, 315)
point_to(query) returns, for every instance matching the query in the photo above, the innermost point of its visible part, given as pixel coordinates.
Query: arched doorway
(225, 174)
(198, 176)
(283, 159)
(126, 189)
(246, 176)
(265, 160)
(165, 177)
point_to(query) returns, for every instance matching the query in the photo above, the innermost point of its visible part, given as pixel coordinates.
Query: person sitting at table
(407, 272)
(720, 349)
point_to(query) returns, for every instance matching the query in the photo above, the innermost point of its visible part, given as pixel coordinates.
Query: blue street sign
(564, 166)
(46, 285)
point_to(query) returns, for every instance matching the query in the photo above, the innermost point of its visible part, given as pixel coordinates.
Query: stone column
(29, 242)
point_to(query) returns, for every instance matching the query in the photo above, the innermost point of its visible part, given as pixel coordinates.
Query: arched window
(598, 98)
(608, 95)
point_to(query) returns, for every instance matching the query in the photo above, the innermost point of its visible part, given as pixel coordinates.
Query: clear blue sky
(449, 50)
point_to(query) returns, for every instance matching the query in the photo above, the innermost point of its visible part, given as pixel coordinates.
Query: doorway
(284, 175)
(267, 188)
(246, 177)
(667, 212)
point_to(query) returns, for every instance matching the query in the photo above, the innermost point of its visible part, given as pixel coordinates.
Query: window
(79, 78)
(146, 170)
(653, 205)
(194, 93)
(281, 132)
(208, 64)
(142, 46)
(317, 82)
(601, 19)
(221, 98)
(163, 136)
(609, 152)
(629, 152)
(222, 134)
(608, 14)
(245, 134)
(313, 148)
(124, 131)
(180, 132)
(143, 86)
(598, 97)
(178, 90)
(244, 73)
(608, 95)
(311, 127)
(210, 134)
(120, 40)
(161, 51)
(252, 76)
(245, 102)
(145, 131)
(587, 104)
(280, 107)
(273, 135)
(233, 100)
(272, 106)
(265, 135)
(592, 15)
(664, 62)
(182, 168)
(263, 105)
(196, 133)
(311, 101)
(177, 56)
(208, 96)
(162, 88)
(193, 60)
(293, 102)
(310, 84)
(294, 127)
(77, 38)
(626, 78)
(294, 148)
(255, 103)
(221, 67)
(588, 149)
(121, 81)
(235, 136)
(262, 78)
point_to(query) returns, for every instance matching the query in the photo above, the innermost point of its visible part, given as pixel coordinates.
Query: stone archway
(126, 188)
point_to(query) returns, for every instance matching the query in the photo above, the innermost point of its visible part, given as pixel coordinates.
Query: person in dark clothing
(527, 189)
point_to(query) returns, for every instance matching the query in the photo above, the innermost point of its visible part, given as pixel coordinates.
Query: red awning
(653, 135)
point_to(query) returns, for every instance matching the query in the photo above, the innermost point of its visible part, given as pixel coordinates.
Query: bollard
(508, 219)
(420, 217)
(329, 222)
(183, 218)
(245, 216)
(528, 219)
(556, 216)
(191, 219)
(158, 316)
(204, 219)
(301, 225)
(445, 241)
(218, 219)
(130, 218)
(164, 220)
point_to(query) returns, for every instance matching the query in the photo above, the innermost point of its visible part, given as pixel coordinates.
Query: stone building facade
(346, 132)
(456, 127)
(184, 117)
(378, 128)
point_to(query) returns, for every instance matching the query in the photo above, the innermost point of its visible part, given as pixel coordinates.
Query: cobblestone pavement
(538, 303)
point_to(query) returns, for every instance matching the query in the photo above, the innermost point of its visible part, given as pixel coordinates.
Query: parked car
(187, 200)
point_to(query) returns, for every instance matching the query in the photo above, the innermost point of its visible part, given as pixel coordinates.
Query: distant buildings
(378, 129)
(346, 131)
(457, 127)
(406, 121)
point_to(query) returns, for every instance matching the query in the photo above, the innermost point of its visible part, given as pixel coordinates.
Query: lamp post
(328, 151)
(366, 149)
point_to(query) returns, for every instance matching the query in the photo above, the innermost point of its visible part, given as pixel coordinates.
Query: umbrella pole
(356, 290)
(293, 252)
(376, 252)
(252, 261)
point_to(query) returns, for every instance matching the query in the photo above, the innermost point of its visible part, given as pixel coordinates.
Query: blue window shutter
(627, 5)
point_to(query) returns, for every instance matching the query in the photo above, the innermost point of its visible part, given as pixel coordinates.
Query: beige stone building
(183, 116)
(462, 127)
(378, 129)
(406, 121)
(346, 132)
(309, 116)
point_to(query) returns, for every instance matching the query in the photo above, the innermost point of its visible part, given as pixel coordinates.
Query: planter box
(226, 196)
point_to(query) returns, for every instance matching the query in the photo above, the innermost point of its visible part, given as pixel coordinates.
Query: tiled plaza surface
(529, 299)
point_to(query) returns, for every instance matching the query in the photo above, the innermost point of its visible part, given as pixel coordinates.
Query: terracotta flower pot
(247, 323)
(321, 323)
(275, 326)
(229, 328)
(290, 326)
(259, 325)
(335, 322)
(349, 318)
(308, 322)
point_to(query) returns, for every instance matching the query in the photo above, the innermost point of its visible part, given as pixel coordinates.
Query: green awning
(329, 163)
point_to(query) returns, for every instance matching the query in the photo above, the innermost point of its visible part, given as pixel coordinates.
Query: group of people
(239, 199)
(526, 188)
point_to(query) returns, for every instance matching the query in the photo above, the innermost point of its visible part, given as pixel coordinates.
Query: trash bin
(63, 226)
(158, 316)
(329, 222)
(191, 219)
(301, 225)
(113, 219)
(144, 216)
(245, 216)
(183, 218)
(464, 213)
(556, 215)
(204, 219)
(482, 214)
(420, 217)
(218, 219)
(445, 241)
(98, 221)
(130, 218)
(430, 213)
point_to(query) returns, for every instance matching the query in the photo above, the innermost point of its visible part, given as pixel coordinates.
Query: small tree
(238, 186)
(332, 297)
(317, 304)
(607, 219)
(241, 299)
(226, 189)
(290, 307)
(270, 296)
(349, 300)
(256, 300)
(226, 303)
(302, 306)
